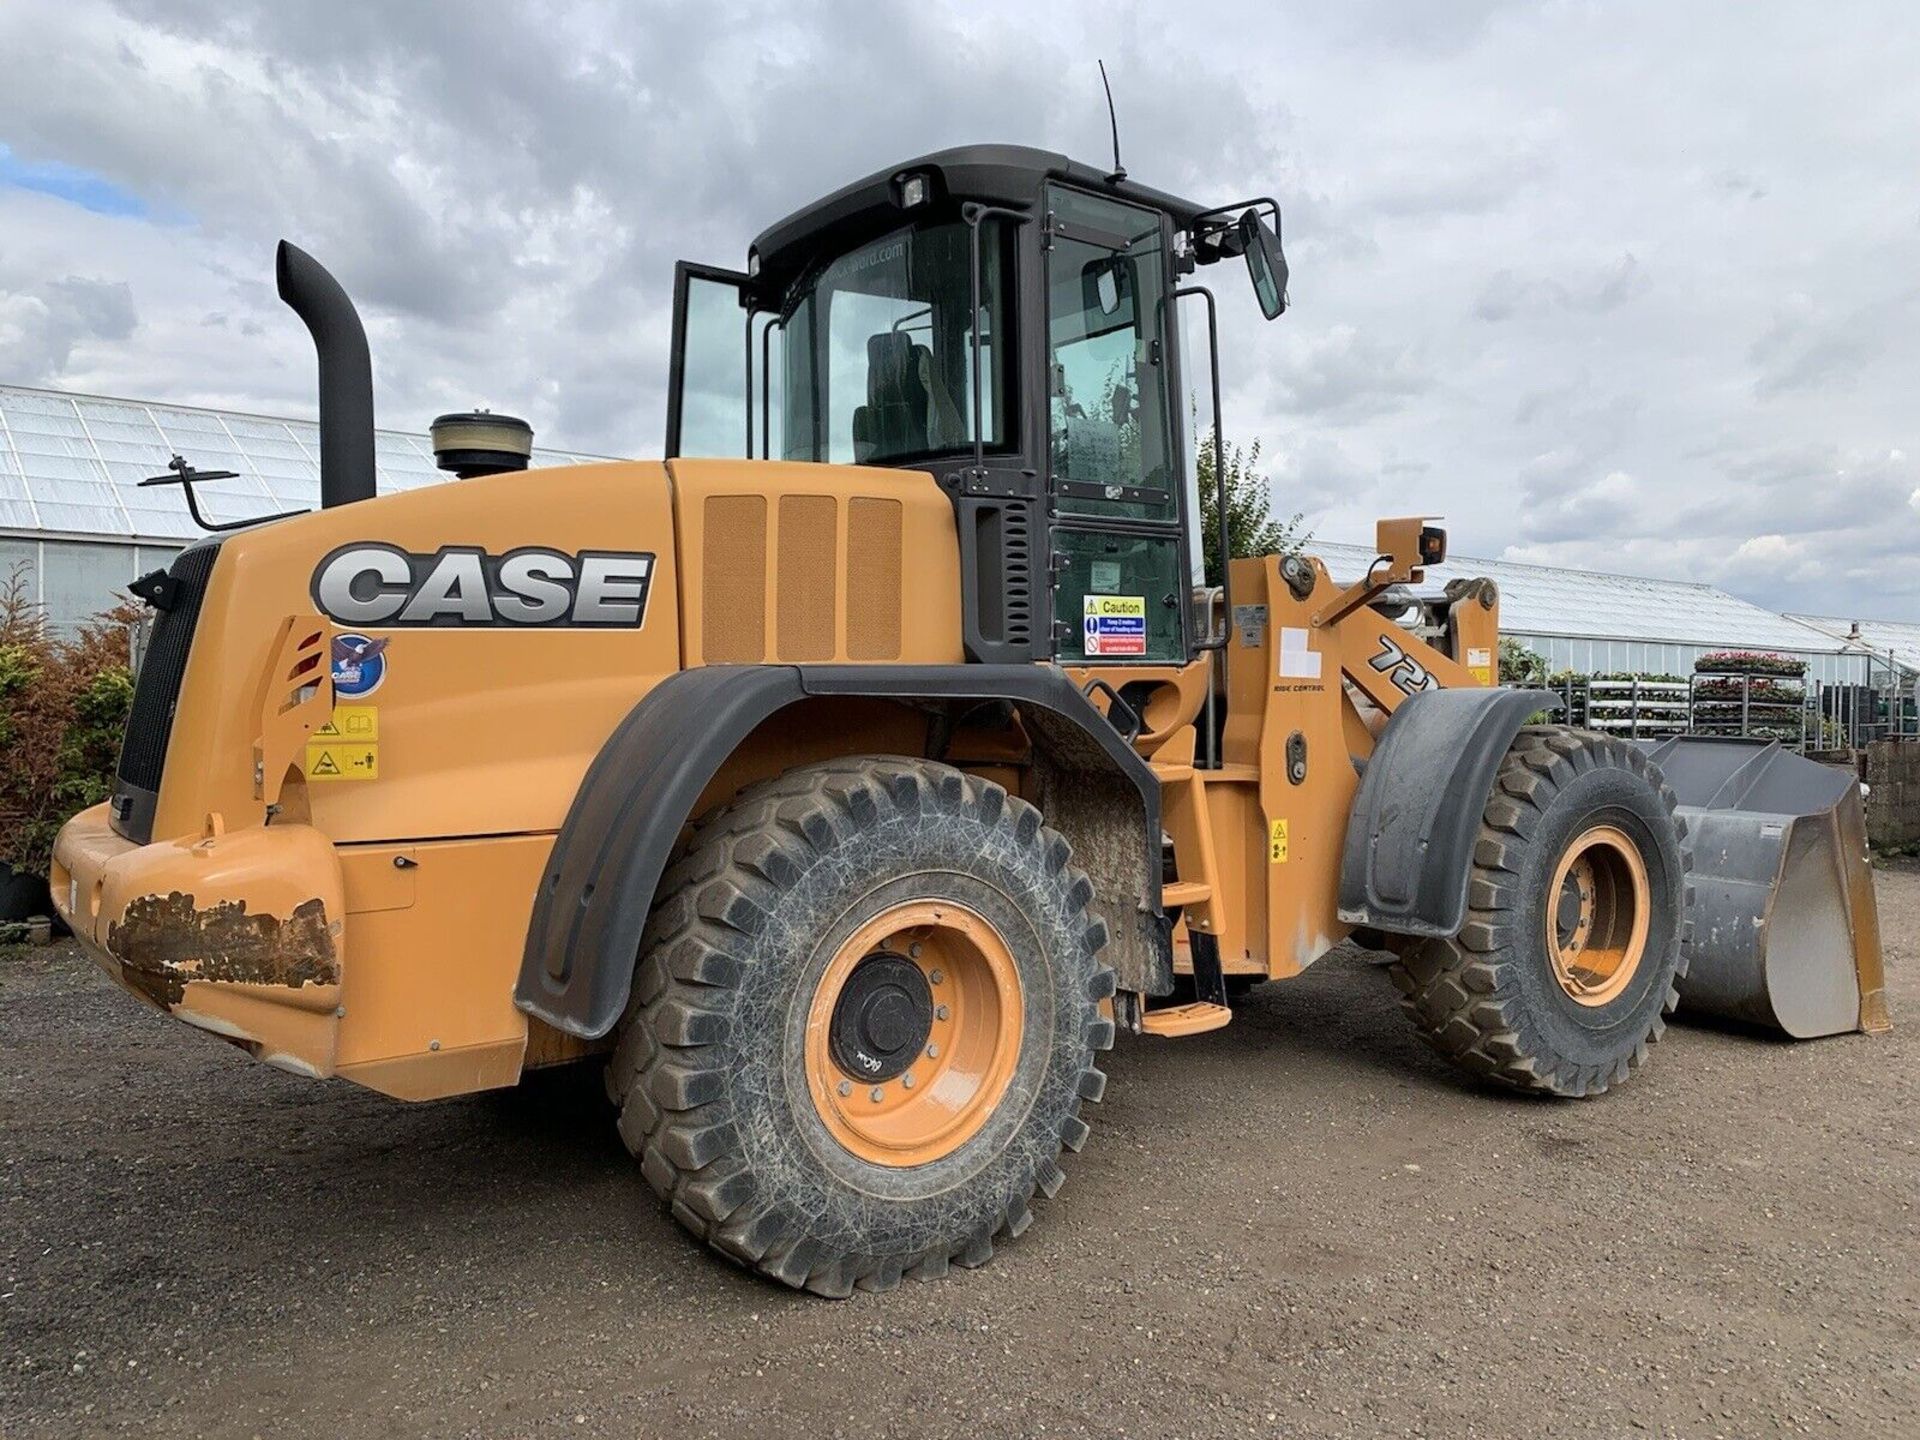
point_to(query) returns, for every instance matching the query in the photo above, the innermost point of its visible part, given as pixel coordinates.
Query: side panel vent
(808, 582)
(733, 580)
(873, 578)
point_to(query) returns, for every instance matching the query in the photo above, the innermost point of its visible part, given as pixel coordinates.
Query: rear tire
(923, 904)
(1577, 900)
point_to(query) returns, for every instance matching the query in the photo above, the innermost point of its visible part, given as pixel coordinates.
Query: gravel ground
(1301, 1225)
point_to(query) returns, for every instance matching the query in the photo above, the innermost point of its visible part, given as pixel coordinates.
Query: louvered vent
(1016, 559)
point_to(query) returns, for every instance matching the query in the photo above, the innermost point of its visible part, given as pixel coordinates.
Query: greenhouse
(75, 524)
(1592, 623)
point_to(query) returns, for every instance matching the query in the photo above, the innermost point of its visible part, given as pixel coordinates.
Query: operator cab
(1005, 320)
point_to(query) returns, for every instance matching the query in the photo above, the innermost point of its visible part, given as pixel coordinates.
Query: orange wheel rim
(935, 1088)
(1597, 915)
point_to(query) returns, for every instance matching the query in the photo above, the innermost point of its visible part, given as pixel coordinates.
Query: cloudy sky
(1630, 286)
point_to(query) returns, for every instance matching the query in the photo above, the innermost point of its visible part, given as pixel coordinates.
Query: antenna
(1119, 170)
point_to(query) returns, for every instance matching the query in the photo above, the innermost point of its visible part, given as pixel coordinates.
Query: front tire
(1569, 961)
(863, 1024)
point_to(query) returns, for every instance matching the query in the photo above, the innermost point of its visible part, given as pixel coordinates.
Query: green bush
(63, 706)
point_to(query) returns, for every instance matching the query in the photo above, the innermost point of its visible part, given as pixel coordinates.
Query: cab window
(1108, 413)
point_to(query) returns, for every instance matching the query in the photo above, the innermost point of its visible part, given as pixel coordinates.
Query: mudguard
(639, 794)
(1409, 845)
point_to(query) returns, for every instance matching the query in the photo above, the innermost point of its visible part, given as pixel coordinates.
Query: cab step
(1184, 892)
(1176, 1021)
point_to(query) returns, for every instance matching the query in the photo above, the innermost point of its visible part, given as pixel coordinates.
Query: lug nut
(933, 1052)
(876, 1095)
(907, 1080)
(846, 1087)
(940, 1012)
(913, 950)
(937, 976)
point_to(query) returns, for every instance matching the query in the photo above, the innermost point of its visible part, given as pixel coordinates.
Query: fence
(1811, 716)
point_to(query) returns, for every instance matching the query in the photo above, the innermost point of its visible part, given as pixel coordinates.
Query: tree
(1251, 528)
(1521, 666)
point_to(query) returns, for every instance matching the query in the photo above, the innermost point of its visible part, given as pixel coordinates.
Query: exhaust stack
(346, 375)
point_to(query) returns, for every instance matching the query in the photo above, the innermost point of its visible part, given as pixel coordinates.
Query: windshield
(872, 364)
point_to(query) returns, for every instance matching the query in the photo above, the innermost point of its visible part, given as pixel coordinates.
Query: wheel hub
(913, 1033)
(1598, 916)
(882, 1018)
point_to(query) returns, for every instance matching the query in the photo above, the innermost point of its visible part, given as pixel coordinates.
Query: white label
(1298, 658)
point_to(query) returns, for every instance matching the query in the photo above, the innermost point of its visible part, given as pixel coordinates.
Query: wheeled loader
(845, 782)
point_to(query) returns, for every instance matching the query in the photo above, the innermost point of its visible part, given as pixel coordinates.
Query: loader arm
(1317, 675)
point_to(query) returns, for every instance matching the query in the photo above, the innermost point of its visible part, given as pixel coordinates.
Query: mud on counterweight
(163, 942)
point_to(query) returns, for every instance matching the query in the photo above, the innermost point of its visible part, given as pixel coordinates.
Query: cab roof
(1008, 175)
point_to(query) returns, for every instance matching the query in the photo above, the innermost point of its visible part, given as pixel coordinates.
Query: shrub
(63, 706)
(1521, 666)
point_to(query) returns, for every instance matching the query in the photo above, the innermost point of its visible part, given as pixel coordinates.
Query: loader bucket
(1785, 932)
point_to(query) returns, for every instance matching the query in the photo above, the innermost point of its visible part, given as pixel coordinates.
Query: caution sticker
(342, 760)
(1116, 624)
(1277, 843)
(351, 722)
(1480, 663)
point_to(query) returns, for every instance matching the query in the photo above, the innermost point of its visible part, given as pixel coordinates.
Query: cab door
(1114, 447)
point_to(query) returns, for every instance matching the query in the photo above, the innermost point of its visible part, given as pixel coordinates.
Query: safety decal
(1277, 843)
(340, 760)
(1251, 622)
(351, 722)
(372, 583)
(1116, 624)
(1298, 658)
(359, 665)
(1480, 663)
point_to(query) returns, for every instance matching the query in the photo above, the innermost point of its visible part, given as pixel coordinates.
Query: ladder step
(1178, 1020)
(1184, 892)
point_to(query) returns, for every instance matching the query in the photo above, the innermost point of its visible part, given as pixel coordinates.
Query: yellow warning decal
(1277, 843)
(359, 723)
(342, 760)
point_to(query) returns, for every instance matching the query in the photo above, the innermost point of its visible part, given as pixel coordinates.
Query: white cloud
(1519, 299)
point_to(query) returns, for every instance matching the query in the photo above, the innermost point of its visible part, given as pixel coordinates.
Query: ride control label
(1116, 624)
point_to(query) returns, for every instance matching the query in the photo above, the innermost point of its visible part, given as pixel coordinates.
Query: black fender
(1410, 835)
(638, 796)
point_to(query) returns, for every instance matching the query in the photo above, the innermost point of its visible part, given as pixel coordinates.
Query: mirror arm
(1258, 202)
(1219, 473)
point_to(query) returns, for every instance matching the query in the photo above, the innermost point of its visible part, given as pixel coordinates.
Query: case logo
(369, 583)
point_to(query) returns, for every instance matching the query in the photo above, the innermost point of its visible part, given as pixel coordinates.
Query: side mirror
(1106, 286)
(1266, 263)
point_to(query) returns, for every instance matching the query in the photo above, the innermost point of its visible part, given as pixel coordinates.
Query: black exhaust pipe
(346, 375)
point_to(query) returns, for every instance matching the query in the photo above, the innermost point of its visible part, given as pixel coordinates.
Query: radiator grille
(733, 580)
(143, 751)
(873, 579)
(808, 579)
